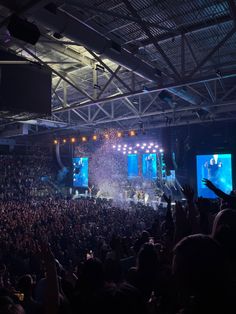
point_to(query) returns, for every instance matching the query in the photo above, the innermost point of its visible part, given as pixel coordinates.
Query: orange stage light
(132, 133)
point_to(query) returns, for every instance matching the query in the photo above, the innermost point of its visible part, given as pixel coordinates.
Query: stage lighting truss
(138, 148)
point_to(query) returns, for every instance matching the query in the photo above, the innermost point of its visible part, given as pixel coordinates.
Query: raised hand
(209, 184)
(188, 192)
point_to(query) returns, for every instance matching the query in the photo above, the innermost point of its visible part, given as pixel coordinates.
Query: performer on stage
(90, 189)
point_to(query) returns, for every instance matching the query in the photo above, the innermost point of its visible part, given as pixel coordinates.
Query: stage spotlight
(161, 150)
(135, 152)
(84, 139)
(137, 145)
(132, 133)
(114, 146)
(156, 146)
(125, 145)
(72, 140)
(124, 148)
(55, 142)
(95, 137)
(149, 147)
(124, 153)
(118, 149)
(142, 147)
(151, 144)
(119, 145)
(119, 134)
(147, 151)
(144, 144)
(106, 135)
(130, 148)
(64, 140)
(154, 151)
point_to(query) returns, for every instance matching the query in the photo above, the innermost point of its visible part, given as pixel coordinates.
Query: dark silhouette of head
(199, 266)
(25, 284)
(224, 231)
(147, 258)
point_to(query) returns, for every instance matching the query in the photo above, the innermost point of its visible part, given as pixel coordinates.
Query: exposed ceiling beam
(186, 82)
(209, 55)
(188, 29)
(68, 52)
(118, 15)
(70, 82)
(189, 110)
(232, 9)
(152, 38)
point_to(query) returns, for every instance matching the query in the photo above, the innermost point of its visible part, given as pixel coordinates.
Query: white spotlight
(137, 145)
(144, 144)
(135, 152)
(156, 146)
(147, 151)
(154, 151)
(161, 150)
(114, 146)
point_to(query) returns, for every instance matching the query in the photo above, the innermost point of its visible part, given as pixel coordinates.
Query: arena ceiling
(132, 62)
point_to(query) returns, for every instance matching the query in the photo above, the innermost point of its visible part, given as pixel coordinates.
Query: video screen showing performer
(149, 165)
(216, 168)
(80, 172)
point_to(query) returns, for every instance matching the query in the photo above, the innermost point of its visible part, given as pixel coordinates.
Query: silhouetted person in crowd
(199, 269)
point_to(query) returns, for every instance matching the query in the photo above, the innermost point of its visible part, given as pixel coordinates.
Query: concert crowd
(59, 255)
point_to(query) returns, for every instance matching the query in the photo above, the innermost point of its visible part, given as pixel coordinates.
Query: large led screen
(218, 169)
(80, 172)
(132, 165)
(149, 166)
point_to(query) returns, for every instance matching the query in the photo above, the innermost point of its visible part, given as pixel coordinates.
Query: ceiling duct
(83, 34)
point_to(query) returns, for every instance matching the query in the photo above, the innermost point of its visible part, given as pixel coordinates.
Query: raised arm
(192, 210)
(217, 191)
